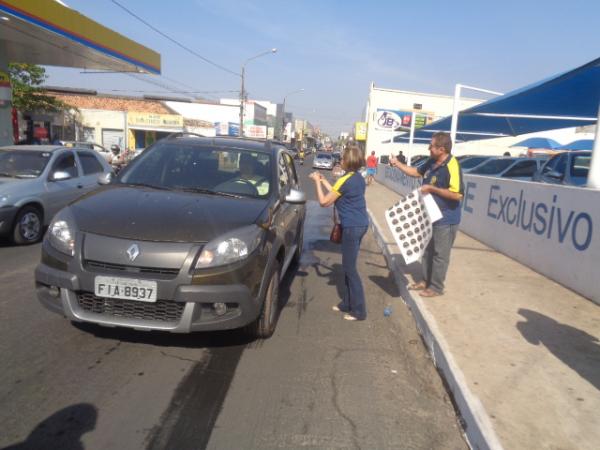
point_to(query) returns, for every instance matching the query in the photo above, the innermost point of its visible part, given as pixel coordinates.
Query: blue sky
(335, 49)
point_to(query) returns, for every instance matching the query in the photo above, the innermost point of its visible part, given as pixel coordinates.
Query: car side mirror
(296, 197)
(105, 178)
(60, 176)
(554, 174)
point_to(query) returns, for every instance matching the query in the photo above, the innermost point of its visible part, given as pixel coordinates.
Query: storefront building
(144, 129)
(390, 109)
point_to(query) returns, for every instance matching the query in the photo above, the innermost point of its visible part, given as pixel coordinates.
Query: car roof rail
(184, 133)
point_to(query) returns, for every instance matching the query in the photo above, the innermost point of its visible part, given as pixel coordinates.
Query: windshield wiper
(8, 175)
(210, 192)
(152, 186)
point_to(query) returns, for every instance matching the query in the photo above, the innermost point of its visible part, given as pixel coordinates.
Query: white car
(323, 161)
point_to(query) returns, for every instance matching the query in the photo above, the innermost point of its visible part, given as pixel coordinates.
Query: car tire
(264, 326)
(28, 227)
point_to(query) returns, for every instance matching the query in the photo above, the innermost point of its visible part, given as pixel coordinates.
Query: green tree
(28, 96)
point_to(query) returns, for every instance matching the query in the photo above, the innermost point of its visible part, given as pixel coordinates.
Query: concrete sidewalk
(520, 353)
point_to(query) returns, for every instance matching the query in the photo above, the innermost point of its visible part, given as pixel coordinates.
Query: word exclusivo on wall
(552, 229)
(555, 230)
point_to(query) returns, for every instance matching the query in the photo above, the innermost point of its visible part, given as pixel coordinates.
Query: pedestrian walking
(442, 178)
(348, 197)
(371, 167)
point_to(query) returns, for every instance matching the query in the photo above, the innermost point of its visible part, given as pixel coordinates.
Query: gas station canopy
(46, 32)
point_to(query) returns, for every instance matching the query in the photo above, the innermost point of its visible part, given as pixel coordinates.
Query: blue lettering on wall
(469, 195)
(549, 220)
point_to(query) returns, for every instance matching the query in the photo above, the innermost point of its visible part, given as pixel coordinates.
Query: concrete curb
(478, 428)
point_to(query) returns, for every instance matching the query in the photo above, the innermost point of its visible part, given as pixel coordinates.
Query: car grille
(111, 267)
(161, 310)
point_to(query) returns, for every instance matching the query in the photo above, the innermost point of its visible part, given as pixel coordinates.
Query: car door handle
(80, 186)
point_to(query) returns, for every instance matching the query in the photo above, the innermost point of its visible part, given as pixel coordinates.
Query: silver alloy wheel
(30, 226)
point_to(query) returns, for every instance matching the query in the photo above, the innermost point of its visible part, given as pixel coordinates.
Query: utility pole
(243, 90)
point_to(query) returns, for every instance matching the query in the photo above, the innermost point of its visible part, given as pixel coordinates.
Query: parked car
(36, 181)
(106, 154)
(194, 235)
(337, 157)
(471, 162)
(323, 161)
(515, 168)
(569, 168)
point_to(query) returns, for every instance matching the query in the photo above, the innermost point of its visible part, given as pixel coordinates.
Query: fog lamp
(220, 308)
(54, 291)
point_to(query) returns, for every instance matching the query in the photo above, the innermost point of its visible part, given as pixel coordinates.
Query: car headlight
(61, 233)
(234, 246)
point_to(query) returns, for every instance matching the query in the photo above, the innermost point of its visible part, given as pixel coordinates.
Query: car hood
(146, 214)
(16, 186)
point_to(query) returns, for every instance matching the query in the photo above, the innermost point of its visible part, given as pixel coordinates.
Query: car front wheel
(28, 226)
(264, 326)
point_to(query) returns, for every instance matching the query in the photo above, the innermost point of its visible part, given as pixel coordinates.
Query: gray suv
(194, 235)
(37, 181)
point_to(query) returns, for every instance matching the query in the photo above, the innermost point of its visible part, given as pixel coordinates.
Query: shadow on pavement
(576, 348)
(62, 430)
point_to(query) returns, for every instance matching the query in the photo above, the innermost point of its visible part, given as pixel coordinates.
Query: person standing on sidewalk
(348, 196)
(371, 168)
(442, 178)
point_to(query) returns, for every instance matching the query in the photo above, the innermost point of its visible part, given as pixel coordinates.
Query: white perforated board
(410, 224)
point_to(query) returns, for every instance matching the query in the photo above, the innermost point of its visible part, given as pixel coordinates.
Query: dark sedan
(569, 168)
(195, 234)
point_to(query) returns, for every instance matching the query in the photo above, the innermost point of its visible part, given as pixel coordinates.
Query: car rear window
(89, 163)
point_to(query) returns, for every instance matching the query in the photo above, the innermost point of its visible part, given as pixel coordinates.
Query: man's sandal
(417, 286)
(430, 293)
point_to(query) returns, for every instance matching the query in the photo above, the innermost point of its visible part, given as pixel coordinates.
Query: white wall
(555, 230)
(552, 229)
(103, 119)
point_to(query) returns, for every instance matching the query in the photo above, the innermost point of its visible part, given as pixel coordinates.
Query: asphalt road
(319, 382)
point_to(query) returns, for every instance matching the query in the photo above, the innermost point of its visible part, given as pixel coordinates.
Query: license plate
(125, 288)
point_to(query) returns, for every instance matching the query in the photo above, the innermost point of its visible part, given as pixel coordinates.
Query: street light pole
(283, 113)
(243, 91)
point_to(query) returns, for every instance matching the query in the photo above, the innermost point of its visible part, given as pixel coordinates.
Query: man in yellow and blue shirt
(442, 178)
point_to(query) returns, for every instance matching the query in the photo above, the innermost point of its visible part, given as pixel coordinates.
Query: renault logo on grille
(133, 251)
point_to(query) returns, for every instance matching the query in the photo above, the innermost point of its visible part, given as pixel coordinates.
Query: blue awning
(566, 100)
(581, 144)
(537, 142)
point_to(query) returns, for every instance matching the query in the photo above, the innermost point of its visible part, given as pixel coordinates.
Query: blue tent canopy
(566, 100)
(581, 144)
(537, 142)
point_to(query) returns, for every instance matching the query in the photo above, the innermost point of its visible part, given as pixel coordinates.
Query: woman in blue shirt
(348, 196)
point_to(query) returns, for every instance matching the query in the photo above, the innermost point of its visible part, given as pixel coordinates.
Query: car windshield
(23, 163)
(324, 156)
(469, 163)
(210, 170)
(492, 167)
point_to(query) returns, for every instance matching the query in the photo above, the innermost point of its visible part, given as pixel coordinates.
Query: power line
(189, 50)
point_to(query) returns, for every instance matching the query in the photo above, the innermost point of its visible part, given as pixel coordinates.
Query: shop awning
(566, 100)
(48, 33)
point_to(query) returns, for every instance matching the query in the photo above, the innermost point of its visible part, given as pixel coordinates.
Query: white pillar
(594, 173)
(454, 125)
(411, 137)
